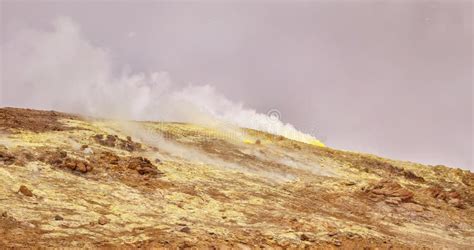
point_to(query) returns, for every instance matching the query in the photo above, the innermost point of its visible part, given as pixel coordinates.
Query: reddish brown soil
(14, 119)
(369, 210)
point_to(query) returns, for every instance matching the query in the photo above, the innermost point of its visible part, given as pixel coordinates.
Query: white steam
(60, 70)
(195, 156)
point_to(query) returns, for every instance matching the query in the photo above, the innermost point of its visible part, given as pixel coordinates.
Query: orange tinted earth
(72, 181)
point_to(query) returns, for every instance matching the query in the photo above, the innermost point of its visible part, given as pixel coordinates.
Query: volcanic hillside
(72, 181)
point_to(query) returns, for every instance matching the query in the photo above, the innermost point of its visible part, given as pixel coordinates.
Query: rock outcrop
(70, 182)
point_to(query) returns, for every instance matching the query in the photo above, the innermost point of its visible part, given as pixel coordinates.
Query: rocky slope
(73, 181)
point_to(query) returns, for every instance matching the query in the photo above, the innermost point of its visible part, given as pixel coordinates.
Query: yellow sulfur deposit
(176, 185)
(317, 143)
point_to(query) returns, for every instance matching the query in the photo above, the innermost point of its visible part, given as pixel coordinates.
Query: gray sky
(390, 78)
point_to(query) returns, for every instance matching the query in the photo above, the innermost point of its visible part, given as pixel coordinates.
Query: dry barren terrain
(72, 181)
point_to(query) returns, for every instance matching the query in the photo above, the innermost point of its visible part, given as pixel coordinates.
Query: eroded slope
(72, 181)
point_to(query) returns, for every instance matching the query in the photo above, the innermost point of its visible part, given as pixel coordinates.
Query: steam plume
(61, 70)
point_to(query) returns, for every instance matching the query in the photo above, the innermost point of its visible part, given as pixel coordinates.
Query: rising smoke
(59, 69)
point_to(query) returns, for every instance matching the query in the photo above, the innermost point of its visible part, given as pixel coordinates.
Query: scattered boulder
(62, 154)
(185, 229)
(351, 235)
(75, 165)
(25, 191)
(5, 157)
(53, 158)
(389, 189)
(23, 156)
(108, 140)
(304, 237)
(437, 192)
(143, 166)
(332, 234)
(103, 220)
(130, 146)
(58, 217)
(412, 176)
(125, 167)
(115, 141)
(337, 242)
(349, 183)
(109, 158)
(147, 171)
(61, 159)
(80, 166)
(452, 197)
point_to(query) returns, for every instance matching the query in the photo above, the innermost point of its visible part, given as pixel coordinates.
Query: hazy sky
(392, 78)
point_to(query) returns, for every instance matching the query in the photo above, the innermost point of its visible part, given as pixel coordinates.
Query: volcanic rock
(75, 165)
(103, 220)
(331, 234)
(185, 229)
(25, 191)
(6, 157)
(389, 188)
(143, 166)
(452, 197)
(109, 158)
(304, 237)
(58, 217)
(115, 141)
(282, 194)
